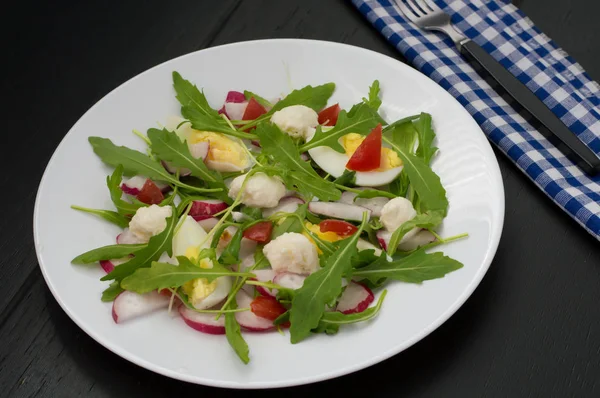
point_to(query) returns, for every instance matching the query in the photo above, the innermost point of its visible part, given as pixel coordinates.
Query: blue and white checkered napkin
(506, 33)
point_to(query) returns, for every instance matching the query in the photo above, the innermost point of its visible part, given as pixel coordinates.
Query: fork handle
(581, 154)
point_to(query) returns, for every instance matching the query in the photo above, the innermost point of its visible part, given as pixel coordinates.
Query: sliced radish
(109, 265)
(134, 185)
(338, 210)
(265, 275)
(304, 156)
(204, 323)
(129, 238)
(200, 149)
(289, 280)
(129, 305)
(208, 223)
(247, 319)
(247, 247)
(373, 204)
(203, 209)
(183, 172)
(384, 236)
(222, 111)
(238, 216)
(362, 244)
(235, 110)
(235, 97)
(162, 186)
(421, 238)
(288, 204)
(356, 298)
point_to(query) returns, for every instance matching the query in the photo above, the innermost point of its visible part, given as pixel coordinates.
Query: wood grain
(531, 329)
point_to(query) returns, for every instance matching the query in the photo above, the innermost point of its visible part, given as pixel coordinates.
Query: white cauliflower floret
(260, 190)
(292, 252)
(149, 221)
(297, 121)
(396, 212)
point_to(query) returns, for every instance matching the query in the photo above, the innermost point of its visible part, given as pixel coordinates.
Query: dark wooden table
(532, 328)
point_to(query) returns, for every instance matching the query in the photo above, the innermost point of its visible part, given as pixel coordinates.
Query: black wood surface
(532, 328)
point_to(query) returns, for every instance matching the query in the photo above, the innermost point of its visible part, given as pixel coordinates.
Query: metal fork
(427, 15)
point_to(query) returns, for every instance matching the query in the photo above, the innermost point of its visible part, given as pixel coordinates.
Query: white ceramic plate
(163, 343)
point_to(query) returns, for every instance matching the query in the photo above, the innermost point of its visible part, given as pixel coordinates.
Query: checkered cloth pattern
(506, 33)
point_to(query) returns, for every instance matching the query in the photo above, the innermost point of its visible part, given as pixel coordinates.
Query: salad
(271, 215)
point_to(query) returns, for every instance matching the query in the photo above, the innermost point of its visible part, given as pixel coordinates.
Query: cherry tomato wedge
(342, 228)
(367, 156)
(260, 232)
(150, 194)
(267, 307)
(253, 110)
(329, 116)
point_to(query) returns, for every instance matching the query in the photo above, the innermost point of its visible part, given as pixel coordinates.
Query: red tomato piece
(260, 232)
(329, 116)
(253, 110)
(150, 193)
(267, 307)
(367, 156)
(342, 228)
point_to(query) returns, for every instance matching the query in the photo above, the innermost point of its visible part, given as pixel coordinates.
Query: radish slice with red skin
(199, 150)
(304, 156)
(384, 236)
(288, 204)
(109, 265)
(342, 211)
(235, 97)
(373, 204)
(356, 298)
(183, 172)
(247, 319)
(208, 224)
(128, 238)
(203, 209)
(289, 280)
(222, 111)
(133, 185)
(235, 110)
(421, 238)
(130, 305)
(265, 275)
(202, 322)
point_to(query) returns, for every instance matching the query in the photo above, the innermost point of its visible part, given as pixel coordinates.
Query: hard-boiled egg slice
(334, 162)
(190, 234)
(203, 295)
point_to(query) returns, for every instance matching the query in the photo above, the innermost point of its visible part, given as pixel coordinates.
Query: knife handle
(581, 154)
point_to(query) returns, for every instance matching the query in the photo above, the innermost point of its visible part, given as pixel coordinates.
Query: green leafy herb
(165, 275)
(425, 220)
(291, 224)
(281, 147)
(168, 147)
(337, 318)
(231, 254)
(108, 215)
(258, 98)
(425, 150)
(135, 162)
(374, 193)
(373, 101)
(113, 182)
(283, 318)
(320, 288)
(234, 335)
(107, 253)
(253, 213)
(310, 186)
(189, 95)
(414, 268)
(347, 178)
(362, 121)
(111, 293)
(203, 122)
(156, 246)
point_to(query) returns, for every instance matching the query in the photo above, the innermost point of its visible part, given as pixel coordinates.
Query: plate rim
(495, 237)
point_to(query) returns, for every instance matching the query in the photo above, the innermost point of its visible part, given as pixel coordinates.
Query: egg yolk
(389, 158)
(326, 236)
(198, 289)
(221, 149)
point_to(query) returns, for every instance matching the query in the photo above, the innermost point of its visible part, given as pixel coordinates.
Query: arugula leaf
(108, 215)
(203, 122)
(231, 254)
(362, 121)
(260, 260)
(314, 186)
(320, 288)
(374, 193)
(143, 258)
(113, 182)
(107, 253)
(403, 133)
(291, 224)
(414, 268)
(373, 101)
(258, 98)
(425, 150)
(425, 220)
(111, 293)
(234, 334)
(426, 183)
(167, 146)
(254, 213)
(337, 318)
(283, 318)
(165, 275)
(135, 162)
(364, 257)
(347, 178)
(189, 95)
